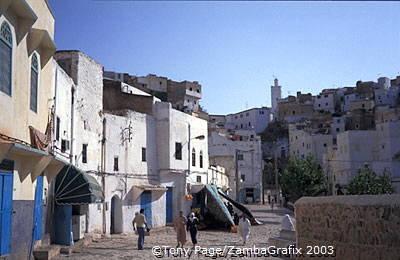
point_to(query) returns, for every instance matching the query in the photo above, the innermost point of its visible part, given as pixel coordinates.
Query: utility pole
(276, 170)
(237, 176)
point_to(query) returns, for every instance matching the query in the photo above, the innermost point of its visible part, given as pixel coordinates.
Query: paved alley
(124, 246)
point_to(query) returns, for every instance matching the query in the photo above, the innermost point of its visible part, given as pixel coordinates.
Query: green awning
(75, 187)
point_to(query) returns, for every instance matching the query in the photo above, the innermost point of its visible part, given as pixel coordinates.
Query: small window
(198, 90)
(243, 177)
(84, 153)
(201, 159)
(240, 157)
(293, 112)
(249, 124)
(34, 83)
(241, 125)
(58, 123)
(326, 104)
(190, 89)
(325, 145)
(338, 130)
(193, 157)
(143, 154)
(116, 163)
(319, 105)
(198, 179)
(64, 145)
(178, 151)
(338, 121)
(6, 46)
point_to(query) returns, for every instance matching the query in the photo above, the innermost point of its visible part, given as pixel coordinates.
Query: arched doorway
(116, 215)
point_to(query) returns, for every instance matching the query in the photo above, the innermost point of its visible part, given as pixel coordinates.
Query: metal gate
(6, 188)
(145, 203)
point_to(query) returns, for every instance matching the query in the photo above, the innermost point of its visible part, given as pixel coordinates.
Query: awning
(33, 161)
(74, 187)
(137, 190)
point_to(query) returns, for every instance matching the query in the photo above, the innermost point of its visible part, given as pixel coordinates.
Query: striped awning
(75, 187)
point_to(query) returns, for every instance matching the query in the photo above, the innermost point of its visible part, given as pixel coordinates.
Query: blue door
(168, 206)
(63, 224)
(6, 188)
(38, 209)
(145, 203)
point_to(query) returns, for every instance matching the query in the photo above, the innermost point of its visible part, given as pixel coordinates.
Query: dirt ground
(124, 246)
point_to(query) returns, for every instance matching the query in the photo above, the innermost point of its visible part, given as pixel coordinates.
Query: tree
(368, 182)
(274, 131)
(303, 177)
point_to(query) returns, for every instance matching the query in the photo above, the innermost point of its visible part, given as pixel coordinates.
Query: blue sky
(234, 48)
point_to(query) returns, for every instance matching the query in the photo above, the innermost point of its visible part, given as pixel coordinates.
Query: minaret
(275, 95)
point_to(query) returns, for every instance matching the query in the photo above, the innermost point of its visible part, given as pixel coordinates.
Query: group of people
(183, 225)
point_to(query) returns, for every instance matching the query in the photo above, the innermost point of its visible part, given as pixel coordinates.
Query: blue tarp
(217, 206)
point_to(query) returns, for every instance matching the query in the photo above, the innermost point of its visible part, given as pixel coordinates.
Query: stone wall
(359, 227)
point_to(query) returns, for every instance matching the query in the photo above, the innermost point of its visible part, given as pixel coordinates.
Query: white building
(325, 101)
(182, 153)
(379, 149)
(256, 119)
(241, 152)
(303, 143)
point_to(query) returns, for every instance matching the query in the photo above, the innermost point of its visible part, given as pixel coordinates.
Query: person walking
(192, 227)
(272, 205)
(180, 228)
(244, 228)
(140, 222)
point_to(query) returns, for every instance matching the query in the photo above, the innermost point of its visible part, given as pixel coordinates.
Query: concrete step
(46, 252)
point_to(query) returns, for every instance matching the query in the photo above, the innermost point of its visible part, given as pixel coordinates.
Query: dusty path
(125, 246)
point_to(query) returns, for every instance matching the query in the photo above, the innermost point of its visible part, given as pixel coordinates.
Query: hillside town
(83, 149)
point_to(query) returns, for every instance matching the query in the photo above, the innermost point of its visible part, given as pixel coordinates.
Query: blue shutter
(38, 209)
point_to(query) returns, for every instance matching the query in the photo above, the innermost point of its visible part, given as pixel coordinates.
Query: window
(6, 45)
(326, 104)
(58, 123)
(193, 157)
(324, 144)
(243, 177)
(143, 154)
(84, 153)
(338, 130)
(201, 159)
(178, 151)
(338, 121)
(319, 105)
(116, 163)
(249, 124)
(240, 157)
(198, 179)
(64, 145)
(293, 112)
(198, 90)
(34, 82)
(241, 125)
(190, 89)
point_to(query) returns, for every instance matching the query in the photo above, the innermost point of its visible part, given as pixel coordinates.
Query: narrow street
(125, 246)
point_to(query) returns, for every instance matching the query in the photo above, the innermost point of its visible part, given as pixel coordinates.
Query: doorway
(116, 215)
